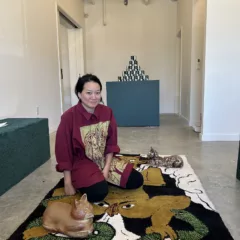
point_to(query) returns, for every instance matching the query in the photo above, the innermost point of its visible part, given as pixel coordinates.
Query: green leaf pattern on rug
(200, 230)
(152, 236)
(102, 231)
(45, 202)
(35, 223)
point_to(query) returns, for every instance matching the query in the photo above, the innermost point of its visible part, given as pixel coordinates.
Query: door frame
(76, 54)
(179, 43)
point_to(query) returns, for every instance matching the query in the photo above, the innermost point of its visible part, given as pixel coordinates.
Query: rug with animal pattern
(171, 205)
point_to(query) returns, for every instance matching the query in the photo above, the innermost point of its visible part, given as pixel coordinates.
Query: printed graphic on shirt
(116, 170)
(94, 138)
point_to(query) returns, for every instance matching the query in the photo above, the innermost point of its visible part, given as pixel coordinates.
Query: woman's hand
(69, 189)
(105, 172)
(108, 161)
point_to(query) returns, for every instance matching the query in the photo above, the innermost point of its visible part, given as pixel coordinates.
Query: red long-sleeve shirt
(82, 142)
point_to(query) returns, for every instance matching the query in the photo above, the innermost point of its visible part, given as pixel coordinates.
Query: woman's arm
(63, 151)
(68, 187)
(111, 145)
(112, 138)
(108, 160)
(67, 177)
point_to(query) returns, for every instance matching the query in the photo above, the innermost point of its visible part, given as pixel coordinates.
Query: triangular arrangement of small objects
(133, 72)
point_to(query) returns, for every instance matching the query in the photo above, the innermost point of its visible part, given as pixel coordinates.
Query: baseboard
(168, 114)
(197, 129)
(219, 137)
(196, 126)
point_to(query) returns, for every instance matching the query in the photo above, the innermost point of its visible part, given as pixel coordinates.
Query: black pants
(97, 192)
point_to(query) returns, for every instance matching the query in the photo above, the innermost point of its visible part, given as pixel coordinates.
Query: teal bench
(24, 146)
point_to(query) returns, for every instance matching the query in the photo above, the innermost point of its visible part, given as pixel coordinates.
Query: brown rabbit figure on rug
(173, 161)
(74, 220)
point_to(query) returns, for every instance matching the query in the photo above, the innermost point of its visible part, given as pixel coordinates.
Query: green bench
(24, 146)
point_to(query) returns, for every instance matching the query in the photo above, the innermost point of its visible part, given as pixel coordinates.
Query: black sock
(135, 180)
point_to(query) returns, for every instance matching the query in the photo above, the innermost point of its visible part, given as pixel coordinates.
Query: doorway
(197, 62)
(71, 59)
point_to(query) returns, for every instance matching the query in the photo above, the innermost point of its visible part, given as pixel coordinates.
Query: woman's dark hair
(84, 79)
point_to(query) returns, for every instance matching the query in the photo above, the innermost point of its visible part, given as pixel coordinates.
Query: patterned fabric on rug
(172, 204)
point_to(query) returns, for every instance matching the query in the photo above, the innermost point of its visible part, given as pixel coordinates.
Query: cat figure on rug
(75, 221)
(136, 204)
(173, 161)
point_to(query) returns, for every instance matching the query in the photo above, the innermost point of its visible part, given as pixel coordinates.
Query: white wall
(198, 49)
(29, 74)
(74, 9)
(148, 32)
(221, 119)
(184, 21)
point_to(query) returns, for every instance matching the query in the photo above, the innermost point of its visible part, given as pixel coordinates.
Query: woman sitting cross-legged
(86, 144)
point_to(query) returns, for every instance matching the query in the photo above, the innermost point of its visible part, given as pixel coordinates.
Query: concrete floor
(214, 163)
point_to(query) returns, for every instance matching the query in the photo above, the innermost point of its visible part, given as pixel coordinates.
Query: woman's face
(91, 95)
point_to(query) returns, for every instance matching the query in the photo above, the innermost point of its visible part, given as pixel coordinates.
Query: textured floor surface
(214, 163)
